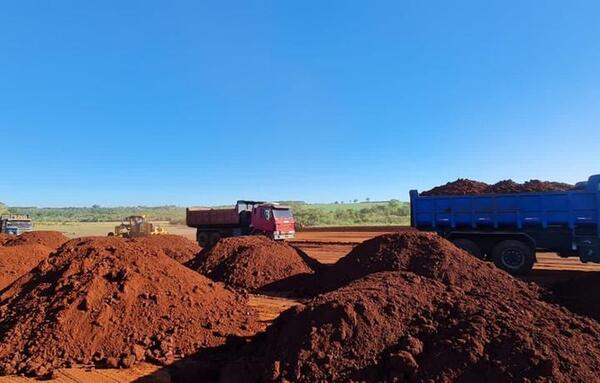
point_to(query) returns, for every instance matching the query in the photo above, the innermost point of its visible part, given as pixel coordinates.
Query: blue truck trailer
(509, 229)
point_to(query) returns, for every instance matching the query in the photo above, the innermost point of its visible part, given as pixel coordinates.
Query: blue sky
(187, 102)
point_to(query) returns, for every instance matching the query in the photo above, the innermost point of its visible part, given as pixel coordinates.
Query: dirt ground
(327, 246)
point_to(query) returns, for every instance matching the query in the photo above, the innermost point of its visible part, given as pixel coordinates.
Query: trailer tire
(514, 256)
(202, 238)
(469, 246)
(214, 238)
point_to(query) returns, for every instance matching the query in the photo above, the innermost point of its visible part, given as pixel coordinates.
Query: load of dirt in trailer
(400, 326)
(18, 260)
(469, 187)
(175, 246)
(52, 239)
(459, 187)
(108, 302)
(253, 262)
(424, 254)
(580, 295)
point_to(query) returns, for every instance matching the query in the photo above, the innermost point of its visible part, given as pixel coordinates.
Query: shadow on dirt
(577, 291)
(226, 363)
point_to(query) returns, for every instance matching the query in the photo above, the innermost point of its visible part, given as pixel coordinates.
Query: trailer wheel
(514, 257)
(468, 246)
(214, 238)
(202, 238)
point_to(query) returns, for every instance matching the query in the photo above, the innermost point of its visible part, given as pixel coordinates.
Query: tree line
(391, 212)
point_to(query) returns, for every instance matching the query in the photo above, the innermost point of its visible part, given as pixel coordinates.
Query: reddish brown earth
(580, 295)
(329, 246)
(400, 326)
(175, 246)
(466, 187)
(509, 186)
(459, 187)
(441, 316)
(252, 262)
(52, 239)
(112, 302)
(18, 260)
(425, 254)
(4, 238)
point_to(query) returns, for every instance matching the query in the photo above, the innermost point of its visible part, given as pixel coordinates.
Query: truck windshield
(282, 213)
(19, 224)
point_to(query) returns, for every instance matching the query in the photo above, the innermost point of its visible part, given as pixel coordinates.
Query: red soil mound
(18, 260)
(175, 246)
(503, 187)
(580, 295)
(4, 238)
(112, 302)
(399, 326)
(468, 187)
(425, 254)
(52, 239)
(252, 262)
(461, 186)
(510, 186)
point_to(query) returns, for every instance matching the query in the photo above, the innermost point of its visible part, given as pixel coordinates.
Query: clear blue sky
(189, 102)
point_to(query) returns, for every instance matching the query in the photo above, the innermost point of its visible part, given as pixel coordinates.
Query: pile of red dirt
(510, 186)
(175, 246)
(52, 239)
(253, 262)
(425, 254)
(400, 326)
(469, 187)
(4, 238)
(461, 186)
(110, 302)
(18, 260)
(580, 295)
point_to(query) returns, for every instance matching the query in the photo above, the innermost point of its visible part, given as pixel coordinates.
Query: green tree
(3, 209)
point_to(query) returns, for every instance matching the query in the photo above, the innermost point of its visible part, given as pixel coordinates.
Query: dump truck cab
(275, 221)
(15, 224)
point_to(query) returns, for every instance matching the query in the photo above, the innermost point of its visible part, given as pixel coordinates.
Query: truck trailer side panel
(199, 217)
(503, 226)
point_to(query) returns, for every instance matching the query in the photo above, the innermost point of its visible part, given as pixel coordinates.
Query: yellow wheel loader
(136, 226)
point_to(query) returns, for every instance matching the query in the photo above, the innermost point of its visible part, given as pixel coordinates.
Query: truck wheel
(468, 246)
(214, 238)
(514, 257)
(111, 234)
(202, 238)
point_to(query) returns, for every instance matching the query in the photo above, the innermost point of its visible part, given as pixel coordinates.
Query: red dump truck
(245, 218)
